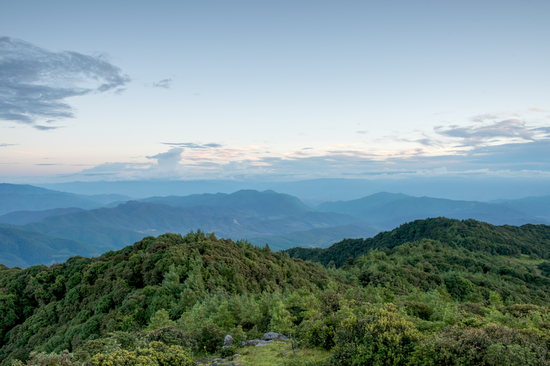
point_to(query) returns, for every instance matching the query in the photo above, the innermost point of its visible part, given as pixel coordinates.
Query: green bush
(49, 359)
(228, 351)
(372, 335)
(154, 354)
(210, 338)
(492, 345)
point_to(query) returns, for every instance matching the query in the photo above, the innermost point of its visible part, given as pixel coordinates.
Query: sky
(273, 90)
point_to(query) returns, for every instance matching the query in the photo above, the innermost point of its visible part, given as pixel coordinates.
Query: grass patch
(279, 353)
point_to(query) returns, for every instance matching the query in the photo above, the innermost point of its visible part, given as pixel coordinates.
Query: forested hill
(64, 305)
(469, 234)
(432, 292)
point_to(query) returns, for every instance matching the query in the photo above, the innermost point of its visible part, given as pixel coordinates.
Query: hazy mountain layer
(390, 210)
(25, 217)
(535, 206)
(157, 218)
(246, 203)
(20, 248)
(327, 189)
(317, 238)
(14, 197)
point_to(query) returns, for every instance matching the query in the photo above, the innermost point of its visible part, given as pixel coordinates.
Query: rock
(228, 340)
(270, 336)
(252, 342)
(263, 343)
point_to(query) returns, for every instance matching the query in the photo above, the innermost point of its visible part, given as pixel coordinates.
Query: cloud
(45, 128)
(535, 109)
(7, 145)
(478, 135)
(484, 117)
(361, 132)
(426, 141)
(35, 83)
(168, 161)
(164, 83)
(192, 145)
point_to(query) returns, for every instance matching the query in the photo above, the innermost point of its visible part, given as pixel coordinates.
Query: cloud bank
(35, 83)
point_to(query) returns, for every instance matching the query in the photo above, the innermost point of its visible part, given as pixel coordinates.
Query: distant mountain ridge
(225, 221)
(317, 238)
(17, 197)
(268, 204)
(536, 206)
(390, 210)
(25, 217)
(20, 248)
(243, 214)
(281, 220)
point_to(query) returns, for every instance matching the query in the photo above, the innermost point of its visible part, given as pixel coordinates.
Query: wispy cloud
(46, 128)
(484, 117)
(192, 145)
(35, 83)
(7, 145)
(164, 83)
(514, 129)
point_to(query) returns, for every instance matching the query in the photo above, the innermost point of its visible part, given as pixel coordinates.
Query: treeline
(440, 298)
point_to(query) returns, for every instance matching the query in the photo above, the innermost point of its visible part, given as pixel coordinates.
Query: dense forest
(431, 292)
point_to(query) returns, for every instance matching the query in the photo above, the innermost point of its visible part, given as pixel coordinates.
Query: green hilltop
(431, 292)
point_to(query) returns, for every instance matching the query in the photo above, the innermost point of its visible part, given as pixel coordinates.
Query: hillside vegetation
(468, 234)
(432, 292)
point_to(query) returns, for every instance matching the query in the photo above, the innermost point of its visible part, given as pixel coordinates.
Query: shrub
(491, 345)
(210, 338)
(49, 359)
(154, 354)
(312, 331)
(372, 335)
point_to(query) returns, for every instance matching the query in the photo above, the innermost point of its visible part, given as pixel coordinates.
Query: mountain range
(106, 222)
(16, 197)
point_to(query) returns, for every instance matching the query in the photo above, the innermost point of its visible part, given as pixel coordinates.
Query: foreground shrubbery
(166, 300)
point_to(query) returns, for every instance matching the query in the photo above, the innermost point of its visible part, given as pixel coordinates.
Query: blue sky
(273, 90)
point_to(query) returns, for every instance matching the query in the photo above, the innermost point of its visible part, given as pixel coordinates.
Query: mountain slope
(14, 197)
(470, 234)
(20, 248)
(25, 217)
(535, 206)
(390, 210)
(158, 218)
(319, 238)
(244, 203)
(106, 238)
